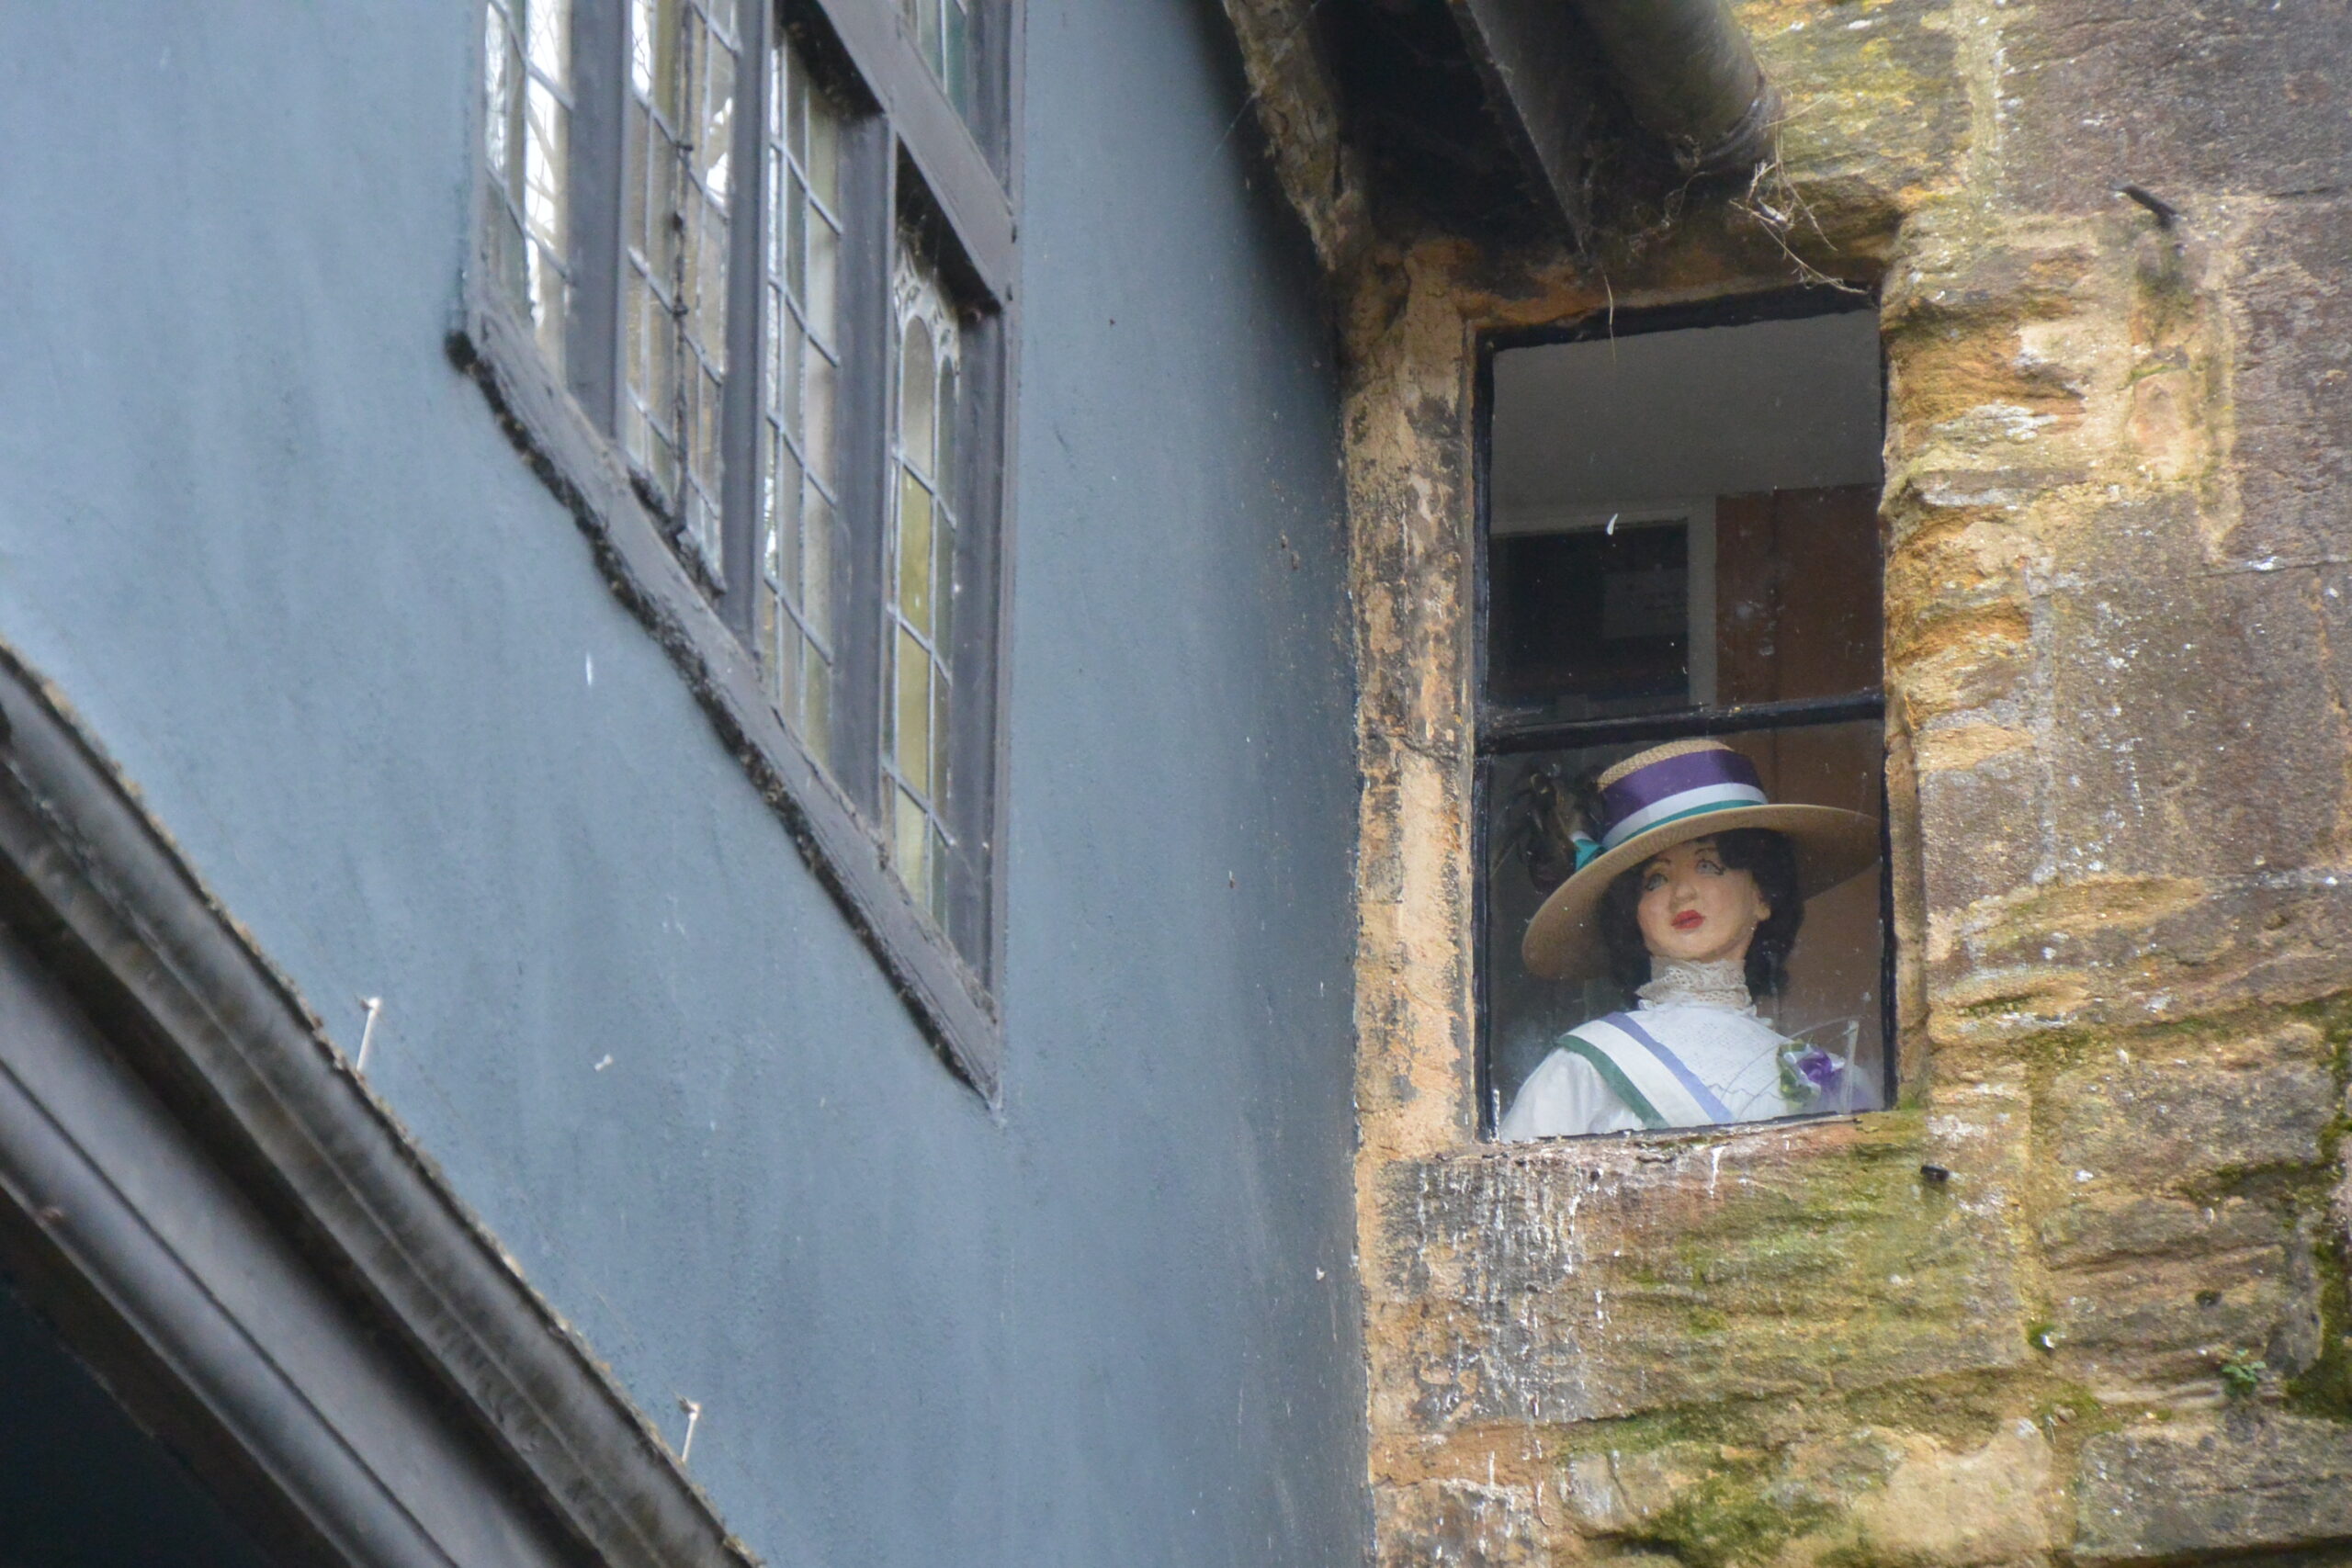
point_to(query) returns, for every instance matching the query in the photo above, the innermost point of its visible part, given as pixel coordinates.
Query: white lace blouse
(1702, 1013)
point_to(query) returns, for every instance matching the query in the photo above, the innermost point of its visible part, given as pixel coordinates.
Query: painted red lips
(1689, 921)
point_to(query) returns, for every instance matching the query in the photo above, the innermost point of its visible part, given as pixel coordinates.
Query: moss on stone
(1731, 1518)
(2325, 1387)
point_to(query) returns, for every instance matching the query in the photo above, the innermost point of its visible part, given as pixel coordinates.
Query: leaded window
(527, 123)
(801, 355)
(784, 308)
(943, 32)
(921, 573)
(676, 194)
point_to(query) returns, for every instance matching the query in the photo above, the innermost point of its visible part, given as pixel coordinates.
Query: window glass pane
(955, 68)
(816, 575)
(1684, 519)
(818, 376)
(921, 720)
(941, 31)
(910, 843)
(918, 380)
(821, 157)
(680, 119)
(499, 86)
(802, 351)
(1683, 922)
(915, 563)
(1832, 998)
(910, 729)
(526, 86)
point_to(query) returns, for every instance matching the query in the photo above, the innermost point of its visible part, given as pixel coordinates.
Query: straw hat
(1668, 795)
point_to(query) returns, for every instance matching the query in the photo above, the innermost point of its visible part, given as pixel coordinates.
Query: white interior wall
(1659, 417)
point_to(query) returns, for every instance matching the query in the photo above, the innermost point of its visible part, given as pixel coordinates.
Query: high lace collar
(1675, 982)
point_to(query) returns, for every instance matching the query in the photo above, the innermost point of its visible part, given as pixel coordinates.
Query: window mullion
(600, 52)
(746, 283)
(972, 643)
(862, 455)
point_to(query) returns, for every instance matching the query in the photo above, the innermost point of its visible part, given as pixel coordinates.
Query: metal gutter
(1687, 71)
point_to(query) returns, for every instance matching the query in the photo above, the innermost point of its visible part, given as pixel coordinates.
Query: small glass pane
(548, 23)
(774, 351)
(823, 158)
(790, 383)
(943, 577)
(498, 91)
(783, 512)
(914, 553)
(1684, 519)
(644, 28)
(635, 129)
(817, 565)
(818, 378)
(545, 131)
(796, 238)
(706, 299)
(779, 490)
(788, 104)
(912, 674)
(1831, 997)
(940, 693)
(816, 705)
(943, 469)
(910, 843)
(783, 658)
(823, 277)
(917, 385)
(956, 70)
(715, 145)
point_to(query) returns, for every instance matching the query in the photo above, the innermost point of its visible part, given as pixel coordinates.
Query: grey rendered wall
(276, 553)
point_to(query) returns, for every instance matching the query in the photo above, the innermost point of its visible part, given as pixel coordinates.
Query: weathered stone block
(2226, 95)
(1981, 831)
(1459, 1524)
(1864, 1495)
(2156, 539)
(2258, 1481)
(2151, 1325)
(2151, 1291)
(1885, 109)
(2204, 1109)
(2090, 1232)
(2292, 384)
(1941, 1509)
(2189, 735)
(1565, 1283)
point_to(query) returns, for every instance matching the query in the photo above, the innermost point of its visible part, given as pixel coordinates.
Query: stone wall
(2119, 465)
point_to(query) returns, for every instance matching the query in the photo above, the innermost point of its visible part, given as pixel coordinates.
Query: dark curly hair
(1766, 856)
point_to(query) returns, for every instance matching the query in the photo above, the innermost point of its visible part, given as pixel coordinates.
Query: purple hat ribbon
(1671, 788)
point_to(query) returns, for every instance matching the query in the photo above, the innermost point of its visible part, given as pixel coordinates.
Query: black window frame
(912, 167)
(1495, 735)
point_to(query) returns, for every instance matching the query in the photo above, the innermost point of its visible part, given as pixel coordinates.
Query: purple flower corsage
(1812, 1078)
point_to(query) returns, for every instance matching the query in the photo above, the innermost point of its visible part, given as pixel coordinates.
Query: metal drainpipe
(1687, 71)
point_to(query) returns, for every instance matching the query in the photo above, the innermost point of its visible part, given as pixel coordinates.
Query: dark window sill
(949, 1003)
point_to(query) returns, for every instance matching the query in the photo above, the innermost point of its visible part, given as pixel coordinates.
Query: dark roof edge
(97, 888)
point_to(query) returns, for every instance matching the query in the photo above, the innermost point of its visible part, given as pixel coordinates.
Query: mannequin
(1694, 895)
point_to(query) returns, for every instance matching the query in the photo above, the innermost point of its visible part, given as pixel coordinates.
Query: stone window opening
(1679, 553)
(743, 290)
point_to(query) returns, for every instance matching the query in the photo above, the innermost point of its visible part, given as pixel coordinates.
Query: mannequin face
(1696, 908)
